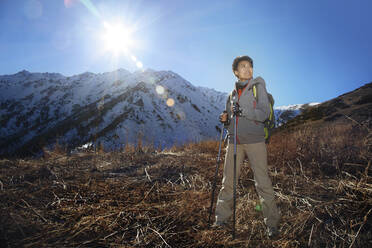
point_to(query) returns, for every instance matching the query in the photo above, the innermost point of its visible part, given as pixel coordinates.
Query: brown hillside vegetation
(356, 104)
(146, 198)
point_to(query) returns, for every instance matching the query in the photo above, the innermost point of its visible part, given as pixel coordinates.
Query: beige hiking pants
(257, 156)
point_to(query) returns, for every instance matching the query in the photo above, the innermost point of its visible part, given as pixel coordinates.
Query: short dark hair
(239, 59)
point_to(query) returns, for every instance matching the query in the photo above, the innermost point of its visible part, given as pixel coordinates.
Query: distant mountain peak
(121, 71)
(296, 106)
(23, 72)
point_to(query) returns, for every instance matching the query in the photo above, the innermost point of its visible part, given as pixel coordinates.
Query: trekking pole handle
(236, 109)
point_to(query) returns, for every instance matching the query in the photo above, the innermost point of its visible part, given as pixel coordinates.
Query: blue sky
(307, 51)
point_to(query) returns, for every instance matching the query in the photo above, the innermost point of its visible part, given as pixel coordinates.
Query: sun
(117, 38)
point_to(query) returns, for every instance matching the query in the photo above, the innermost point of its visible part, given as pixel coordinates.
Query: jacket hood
(241, 84)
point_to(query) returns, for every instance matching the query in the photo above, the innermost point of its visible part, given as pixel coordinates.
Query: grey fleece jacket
(250, 127)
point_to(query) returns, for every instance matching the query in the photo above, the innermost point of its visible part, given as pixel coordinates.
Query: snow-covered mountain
(113, 108)
(285, 113)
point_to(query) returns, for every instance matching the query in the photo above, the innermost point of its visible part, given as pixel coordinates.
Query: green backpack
(269, 123)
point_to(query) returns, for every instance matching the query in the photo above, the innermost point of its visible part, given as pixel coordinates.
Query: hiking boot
(272, 232)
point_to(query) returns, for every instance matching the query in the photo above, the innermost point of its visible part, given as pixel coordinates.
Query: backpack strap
(270, 98)
(255, 91)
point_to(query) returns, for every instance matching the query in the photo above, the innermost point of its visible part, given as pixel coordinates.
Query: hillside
(143, 197)
(146, 196)
(356, 105)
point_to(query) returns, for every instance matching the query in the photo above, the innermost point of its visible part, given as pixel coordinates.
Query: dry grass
(143, 198)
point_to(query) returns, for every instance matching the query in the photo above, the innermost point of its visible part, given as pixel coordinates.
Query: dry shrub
(101, 148)
(321, 177)
(325, 150)
(207, 146)
(129, 148)
(56, 151)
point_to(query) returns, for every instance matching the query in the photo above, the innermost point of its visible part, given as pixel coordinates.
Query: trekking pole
(234, 182)
(215, 175)
(236, 112)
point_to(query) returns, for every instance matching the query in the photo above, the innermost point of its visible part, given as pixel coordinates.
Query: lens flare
(170, 102)
(90, 6)
(69, 3)
(139, 64)
(160, 89)
(117, 38)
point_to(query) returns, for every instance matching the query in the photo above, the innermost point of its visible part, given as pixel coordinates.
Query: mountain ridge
(113, 109)
(156, 103)
(355, 105)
